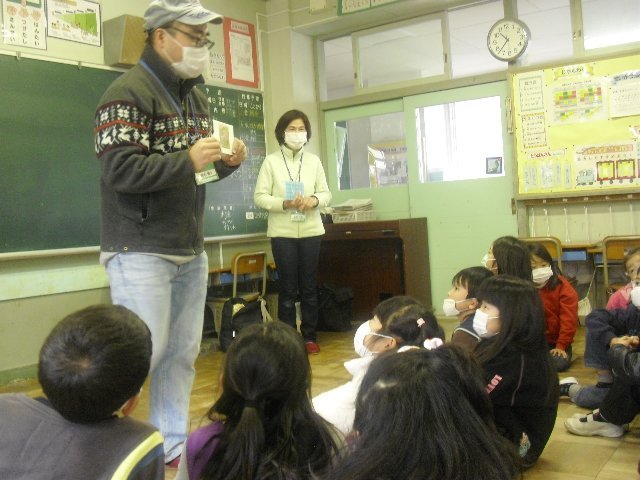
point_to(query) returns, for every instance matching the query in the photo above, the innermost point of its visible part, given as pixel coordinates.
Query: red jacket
(560, 312)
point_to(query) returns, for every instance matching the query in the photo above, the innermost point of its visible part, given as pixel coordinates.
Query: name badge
(298, 217)
(291, 188)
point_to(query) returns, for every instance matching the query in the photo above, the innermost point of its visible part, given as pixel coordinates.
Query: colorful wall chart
(577, 127)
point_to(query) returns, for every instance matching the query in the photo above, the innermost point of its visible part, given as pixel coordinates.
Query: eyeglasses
(199, 41)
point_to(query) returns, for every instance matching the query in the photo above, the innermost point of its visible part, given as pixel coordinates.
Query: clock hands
(506, 40)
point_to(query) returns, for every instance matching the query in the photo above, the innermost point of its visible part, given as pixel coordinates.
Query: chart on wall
(577, 127)
(229, 208)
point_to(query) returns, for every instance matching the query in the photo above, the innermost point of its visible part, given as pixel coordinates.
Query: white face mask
(358, 340)
(194, 61)
(480, 320)
(541, 275)
(295, 140)
(449, 307)
(635, 296)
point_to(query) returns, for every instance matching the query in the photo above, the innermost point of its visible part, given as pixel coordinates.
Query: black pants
(622, 403)
(297, 263)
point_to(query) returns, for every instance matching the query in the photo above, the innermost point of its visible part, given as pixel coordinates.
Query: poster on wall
(24, 23)
(240, 52)
(575, 128)
(74, 20)
(606, 164)
(625, 94)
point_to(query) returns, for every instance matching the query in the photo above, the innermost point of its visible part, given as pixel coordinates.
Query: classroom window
(468, 29)
(371, 151)
(338, 68)
(400, 53)
(549, 22)
(460, 140)
(608, 23)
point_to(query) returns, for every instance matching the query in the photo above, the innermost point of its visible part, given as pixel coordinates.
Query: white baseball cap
(189, 12)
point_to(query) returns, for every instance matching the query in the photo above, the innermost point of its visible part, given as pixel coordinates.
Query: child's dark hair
(512, 257)
(391, 305)
(411, 325)
(540, 251)
(425, 414)
(93, 361)
(471, 278)
(270, 430)
(521, 316)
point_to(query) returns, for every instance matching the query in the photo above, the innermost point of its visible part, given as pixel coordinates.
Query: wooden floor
(566, 457)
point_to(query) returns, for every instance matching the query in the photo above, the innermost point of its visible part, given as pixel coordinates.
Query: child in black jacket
(521, 381)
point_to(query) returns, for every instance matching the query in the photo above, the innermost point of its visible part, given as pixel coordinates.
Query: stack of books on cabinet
(354, 210)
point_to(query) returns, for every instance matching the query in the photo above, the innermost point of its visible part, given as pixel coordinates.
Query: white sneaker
(586, 426)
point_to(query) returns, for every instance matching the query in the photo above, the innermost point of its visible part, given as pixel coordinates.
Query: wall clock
(508, 39)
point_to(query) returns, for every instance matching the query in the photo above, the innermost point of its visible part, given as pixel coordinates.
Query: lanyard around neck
(287, 166)
(171, 98)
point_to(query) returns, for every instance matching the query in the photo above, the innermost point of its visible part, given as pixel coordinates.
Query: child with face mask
(461, 302)
(404, 323)
(622, 297)
(560, 302)
(521, 380)
(604, 329)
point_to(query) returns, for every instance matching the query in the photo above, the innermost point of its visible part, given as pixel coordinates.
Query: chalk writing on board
(229, 207)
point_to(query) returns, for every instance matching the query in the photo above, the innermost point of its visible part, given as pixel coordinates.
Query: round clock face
(508, 39)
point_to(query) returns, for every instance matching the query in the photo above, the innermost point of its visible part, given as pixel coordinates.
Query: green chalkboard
(49, 184)
(229, 208)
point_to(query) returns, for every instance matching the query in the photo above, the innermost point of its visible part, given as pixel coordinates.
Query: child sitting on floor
(560, 302)
(91, 369)
(461, 301)
(521, 381)
(622, 297)
(425, 415)
(411, 325)
(263, 425)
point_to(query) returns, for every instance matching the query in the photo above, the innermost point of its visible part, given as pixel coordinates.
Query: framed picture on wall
(494, 166)
(241, 53)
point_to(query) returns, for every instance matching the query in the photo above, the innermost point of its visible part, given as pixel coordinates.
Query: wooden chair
(253, 264)
(552, 244)
(614, 249)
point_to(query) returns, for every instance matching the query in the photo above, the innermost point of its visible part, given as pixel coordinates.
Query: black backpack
(334, 308)
(237, 314)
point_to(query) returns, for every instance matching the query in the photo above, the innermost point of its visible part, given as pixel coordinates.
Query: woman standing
(292, 187)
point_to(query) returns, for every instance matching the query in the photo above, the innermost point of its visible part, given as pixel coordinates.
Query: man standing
(150, 140)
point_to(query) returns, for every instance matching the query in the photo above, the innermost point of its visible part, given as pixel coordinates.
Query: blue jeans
(170, 299)
(589, 396)
(595, 352)
(297, 263)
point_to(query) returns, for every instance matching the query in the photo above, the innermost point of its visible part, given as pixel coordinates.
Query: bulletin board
(577, 128)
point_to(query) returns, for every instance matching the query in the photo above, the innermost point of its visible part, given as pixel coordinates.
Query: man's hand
(238, 155)
(204, 152)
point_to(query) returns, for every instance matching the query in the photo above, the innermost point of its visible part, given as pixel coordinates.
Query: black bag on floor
(335, 308)
(237, 314)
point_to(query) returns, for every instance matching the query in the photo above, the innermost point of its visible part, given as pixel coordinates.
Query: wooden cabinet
(378, 260)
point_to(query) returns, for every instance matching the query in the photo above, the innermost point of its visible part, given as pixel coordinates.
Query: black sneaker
(565, 384)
